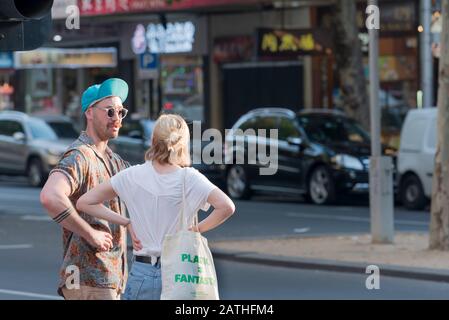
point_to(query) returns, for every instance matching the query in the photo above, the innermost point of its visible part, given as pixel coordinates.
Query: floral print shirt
(86, 168)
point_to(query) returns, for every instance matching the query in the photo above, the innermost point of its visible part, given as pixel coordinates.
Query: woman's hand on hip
(137, 245)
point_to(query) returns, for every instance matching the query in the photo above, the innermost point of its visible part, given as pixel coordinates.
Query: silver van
(416, 157)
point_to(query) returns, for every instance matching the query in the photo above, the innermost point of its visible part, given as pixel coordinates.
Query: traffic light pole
(381, 168)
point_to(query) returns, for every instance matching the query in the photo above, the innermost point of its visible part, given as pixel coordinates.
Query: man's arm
(55, 198)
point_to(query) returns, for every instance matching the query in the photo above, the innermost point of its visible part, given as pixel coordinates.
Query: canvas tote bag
(187, 267)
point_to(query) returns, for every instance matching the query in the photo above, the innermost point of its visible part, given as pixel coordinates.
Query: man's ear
(89, 114)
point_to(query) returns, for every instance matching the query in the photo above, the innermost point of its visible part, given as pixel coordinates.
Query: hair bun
(174, 137)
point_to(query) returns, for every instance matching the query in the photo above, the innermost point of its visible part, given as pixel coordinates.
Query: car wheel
(35, 173)
(237, 184)
(412, 193)
(321, 187)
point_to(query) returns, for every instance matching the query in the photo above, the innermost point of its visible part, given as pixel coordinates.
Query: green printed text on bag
(187, 266)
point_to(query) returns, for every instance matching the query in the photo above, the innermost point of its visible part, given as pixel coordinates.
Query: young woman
(152, 193)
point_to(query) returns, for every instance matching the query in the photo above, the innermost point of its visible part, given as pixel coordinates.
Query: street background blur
(300, 67)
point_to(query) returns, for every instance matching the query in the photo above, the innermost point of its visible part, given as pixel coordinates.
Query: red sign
(102, 7)
(232, 49)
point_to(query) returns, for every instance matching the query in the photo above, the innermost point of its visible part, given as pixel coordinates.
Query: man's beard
(103, 134)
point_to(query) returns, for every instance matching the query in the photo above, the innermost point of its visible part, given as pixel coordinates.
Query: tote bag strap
(183, 224)
(195, 214)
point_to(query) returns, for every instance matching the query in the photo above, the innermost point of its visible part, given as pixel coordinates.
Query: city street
(266, 98)
(30, 250)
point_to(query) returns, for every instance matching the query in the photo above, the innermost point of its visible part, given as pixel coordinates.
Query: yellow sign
(280, 42)
(66, 58)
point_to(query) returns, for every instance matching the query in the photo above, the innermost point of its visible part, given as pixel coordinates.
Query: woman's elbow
(81, 204)
(230, 209)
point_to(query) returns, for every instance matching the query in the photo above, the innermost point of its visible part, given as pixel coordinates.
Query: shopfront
(398, 51)
(55, 78)
(7, 80)
(169, 65)
(267, 69)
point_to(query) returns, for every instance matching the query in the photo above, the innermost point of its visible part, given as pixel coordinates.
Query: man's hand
(137, 245)
(100, 240)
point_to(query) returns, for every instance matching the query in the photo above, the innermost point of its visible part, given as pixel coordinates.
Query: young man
(94, 265)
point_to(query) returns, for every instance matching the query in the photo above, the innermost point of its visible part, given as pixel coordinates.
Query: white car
(416, 157)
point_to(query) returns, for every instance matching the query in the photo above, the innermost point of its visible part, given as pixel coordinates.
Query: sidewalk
(408, 257)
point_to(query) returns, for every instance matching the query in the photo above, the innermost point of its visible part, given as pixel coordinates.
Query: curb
(425, 274)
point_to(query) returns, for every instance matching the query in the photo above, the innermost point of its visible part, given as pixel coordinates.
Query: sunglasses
(111, 112)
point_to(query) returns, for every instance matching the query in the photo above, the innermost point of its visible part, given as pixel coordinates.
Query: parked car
(61, 125)
(135, 139)
(30, 146)
(416, 157)
(321, 153)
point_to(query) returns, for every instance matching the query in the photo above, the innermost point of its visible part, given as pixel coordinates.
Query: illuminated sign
(231, 49)
(290, 43)
(6, 60)
(66, 58)
(105, 7)
(176, 37)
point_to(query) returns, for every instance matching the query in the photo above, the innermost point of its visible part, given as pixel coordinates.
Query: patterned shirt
(86, 168)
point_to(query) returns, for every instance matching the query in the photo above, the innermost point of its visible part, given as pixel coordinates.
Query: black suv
(321, 153)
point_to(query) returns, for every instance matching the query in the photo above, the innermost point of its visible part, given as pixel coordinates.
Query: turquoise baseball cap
(109, 88)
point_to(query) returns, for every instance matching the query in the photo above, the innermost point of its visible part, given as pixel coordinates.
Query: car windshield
(332, 129)
(41, 130)
(63, 130)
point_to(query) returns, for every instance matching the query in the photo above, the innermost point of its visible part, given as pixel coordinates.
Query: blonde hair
(170, 141)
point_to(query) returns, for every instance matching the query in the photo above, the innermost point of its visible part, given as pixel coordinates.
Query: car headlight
(347, 161)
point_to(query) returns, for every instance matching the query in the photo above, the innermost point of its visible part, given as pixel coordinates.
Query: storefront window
(6, 91)
(183, 86)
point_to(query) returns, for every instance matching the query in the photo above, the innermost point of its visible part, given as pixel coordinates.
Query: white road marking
(349, 218)
(36, 218)
(30, 294)
(15, 246)
(301, 230)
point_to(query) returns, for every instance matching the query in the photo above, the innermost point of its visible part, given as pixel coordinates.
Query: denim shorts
(144, 282)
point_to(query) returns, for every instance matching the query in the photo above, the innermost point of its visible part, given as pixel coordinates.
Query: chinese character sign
(290, 43)
(176, 37)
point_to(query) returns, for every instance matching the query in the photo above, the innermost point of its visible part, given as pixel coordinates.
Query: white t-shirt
(154, 201)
